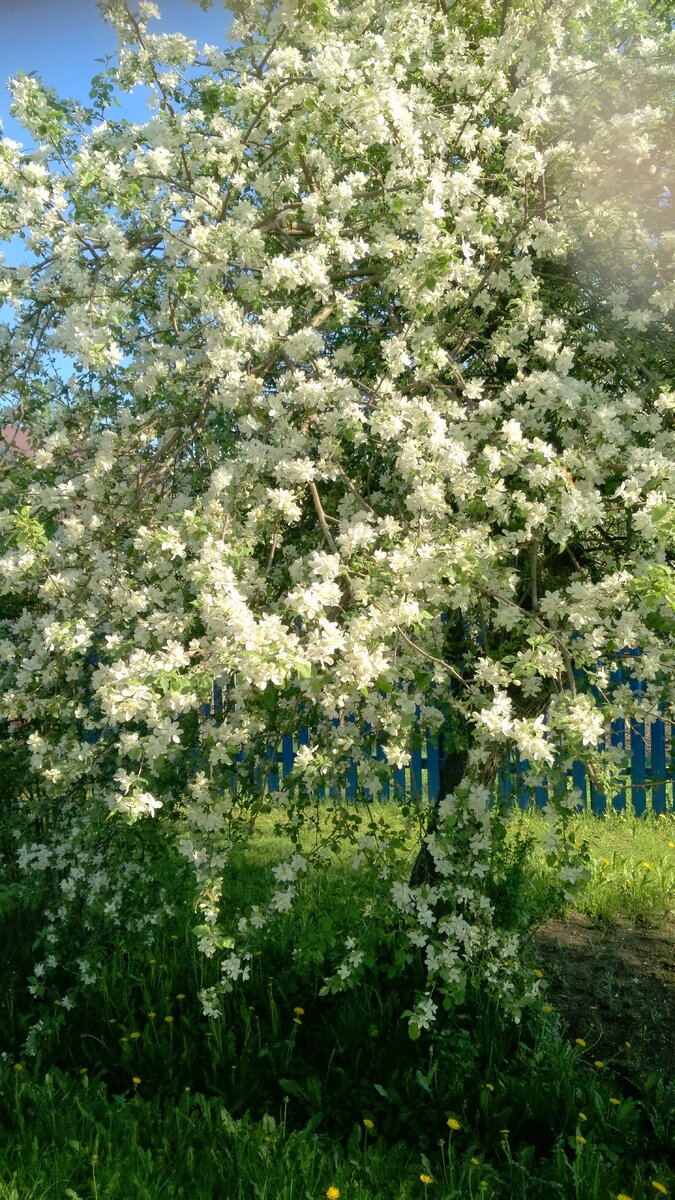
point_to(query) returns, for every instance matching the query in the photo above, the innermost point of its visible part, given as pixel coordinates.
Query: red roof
(17, 438)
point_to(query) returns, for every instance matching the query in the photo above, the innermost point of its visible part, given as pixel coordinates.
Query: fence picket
(658, 774)
(579, 781)
(618, 740)
(651, 773)
(433, 768)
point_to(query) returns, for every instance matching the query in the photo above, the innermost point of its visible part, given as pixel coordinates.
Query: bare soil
(614, 986)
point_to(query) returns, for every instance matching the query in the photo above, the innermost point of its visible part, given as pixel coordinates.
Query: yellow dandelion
(135, 1079)
(169, 1020)
(475, 1162)
(83, 1070)
(452, 1123)
(490, 1087)
(368, 1123)
(581, 1139)
(539, 973)
(426, 1179)
(297, 1021)
(18, 1066)
(299, 1012)
(151, 1015)
(134, 1035)
(622, 1196)
(504, 1130)
(627, 1045)
(547, 1008)
(599, 1064)
(583, 1117)
(180, 995)
(659, 1187)
(580, 1042)
(151, 962)
(614, 1100)
(333, 1193)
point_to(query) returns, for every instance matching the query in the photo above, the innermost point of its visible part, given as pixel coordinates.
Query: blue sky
(61, 40)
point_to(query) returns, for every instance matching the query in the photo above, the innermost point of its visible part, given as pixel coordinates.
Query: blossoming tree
(346, 377)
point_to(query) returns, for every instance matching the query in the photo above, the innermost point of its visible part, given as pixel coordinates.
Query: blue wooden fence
(649, 780)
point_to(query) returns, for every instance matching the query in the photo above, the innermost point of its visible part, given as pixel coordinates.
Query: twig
(322, 517)
(441, 662)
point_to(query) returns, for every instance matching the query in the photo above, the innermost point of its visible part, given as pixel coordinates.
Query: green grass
(271, 1102)
(632, 862)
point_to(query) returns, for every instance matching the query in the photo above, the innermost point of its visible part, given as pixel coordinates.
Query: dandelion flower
(134, 1035)
(475, 1162)
(547, 1008)
(136, 1079)
(426, 1179)
(581, 1139)
(169, 1020)
(180, 995)
(647, 866)
(368, 1123)
(583, 1117)
(490, 1087)
(622, 1196)
(614, 1100)
(297, 1021)
(504, 1130)
(452, 1123)
(538, 973)
(580, 1042)
(151, 1015)
(598, 1063)
(18, 1066)
(299, 1012)
(659, 1187)
(333, 1193)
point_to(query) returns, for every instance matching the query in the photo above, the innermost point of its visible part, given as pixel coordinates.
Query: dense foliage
(349, 386)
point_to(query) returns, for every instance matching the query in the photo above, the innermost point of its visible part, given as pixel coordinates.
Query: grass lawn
(134, 1095)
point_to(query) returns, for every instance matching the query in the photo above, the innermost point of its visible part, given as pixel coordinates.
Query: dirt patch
(612, 985)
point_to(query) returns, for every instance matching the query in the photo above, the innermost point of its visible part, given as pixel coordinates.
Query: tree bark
(453, 748)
